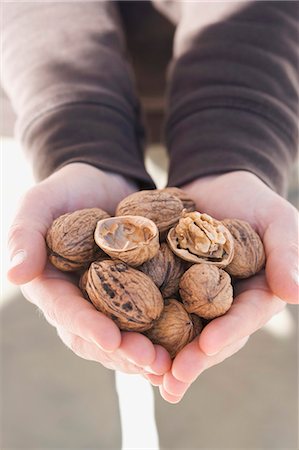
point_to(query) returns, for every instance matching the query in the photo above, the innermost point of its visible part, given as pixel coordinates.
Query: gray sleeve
(234, 94)
(65, 71)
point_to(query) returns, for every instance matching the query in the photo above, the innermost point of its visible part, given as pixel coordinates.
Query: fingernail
(212, 353)
(148, 369)
(295, 276)
(18, 258)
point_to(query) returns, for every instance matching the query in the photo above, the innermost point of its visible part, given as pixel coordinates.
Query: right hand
(86, 331)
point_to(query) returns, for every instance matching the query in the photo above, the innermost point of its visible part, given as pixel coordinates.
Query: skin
(92, 336)
(241, 195)
(87, 332)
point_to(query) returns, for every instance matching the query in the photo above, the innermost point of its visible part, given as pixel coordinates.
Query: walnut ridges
(200, 238)
(174, 329)
(206, 291)
(249, 254)
(161, 207)
(124, 294)
(70, 239)
(188, 203)
(132, 239)
(165, 269)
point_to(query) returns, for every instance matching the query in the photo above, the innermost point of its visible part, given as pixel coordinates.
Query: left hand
(244, 196)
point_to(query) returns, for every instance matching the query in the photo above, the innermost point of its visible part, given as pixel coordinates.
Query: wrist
(236, 177)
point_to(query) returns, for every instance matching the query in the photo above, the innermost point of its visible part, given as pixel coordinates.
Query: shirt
(232, 88)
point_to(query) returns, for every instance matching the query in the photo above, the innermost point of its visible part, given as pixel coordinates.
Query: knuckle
(294, 249)
(74, 344)
(70, 340)
(51, 314)
(15, 233)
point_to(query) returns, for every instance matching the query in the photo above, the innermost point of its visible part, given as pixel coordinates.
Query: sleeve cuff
(95, 134)
(221, 138)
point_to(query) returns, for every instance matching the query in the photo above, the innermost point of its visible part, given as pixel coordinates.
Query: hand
(240, 195)
(89, 333)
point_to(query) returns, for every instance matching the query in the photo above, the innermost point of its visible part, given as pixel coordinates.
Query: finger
(173, 386)
(26, 240)
(64, 307)
(155, 380)
(137, 348)
(168, 397)
(91, 352)
(251, 310)
(83, 348)
(281, 246)
(191, 361)
(162, 362)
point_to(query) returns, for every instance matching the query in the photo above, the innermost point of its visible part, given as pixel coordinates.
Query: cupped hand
(86, 331)
(244, 196)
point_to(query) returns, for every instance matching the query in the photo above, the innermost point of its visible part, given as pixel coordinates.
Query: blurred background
(50, 398)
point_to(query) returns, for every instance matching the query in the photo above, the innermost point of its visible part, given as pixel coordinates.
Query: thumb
(281, 246)
(26, 240)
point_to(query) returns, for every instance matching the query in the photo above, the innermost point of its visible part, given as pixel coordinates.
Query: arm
(232, 136)
(65, 71)
(233, 96)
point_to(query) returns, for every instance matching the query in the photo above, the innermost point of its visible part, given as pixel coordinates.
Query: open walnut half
(132, 239)
(199, 238)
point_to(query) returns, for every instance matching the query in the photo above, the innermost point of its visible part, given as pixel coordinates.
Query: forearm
(233, 97)
(66, 74)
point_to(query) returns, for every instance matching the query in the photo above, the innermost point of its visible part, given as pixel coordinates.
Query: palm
(89, 333)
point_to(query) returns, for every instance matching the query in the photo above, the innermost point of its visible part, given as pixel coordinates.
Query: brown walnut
(200, 238)
(132, 239)
(165, 269)
(174, 329)
(198, 324)
(70, 239)
(161, 207)
(206, 291)
(82, 284)
(249, 254)
(188, 203)
(124, 294)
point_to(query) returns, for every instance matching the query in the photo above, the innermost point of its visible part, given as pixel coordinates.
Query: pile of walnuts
(159, 266)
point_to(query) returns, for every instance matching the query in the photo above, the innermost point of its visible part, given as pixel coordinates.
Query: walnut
(161, 207)
(165, 269)
(198, 324)
(200, 238)
(249, 254)
(124, 294)
(70, 239)
(206, 291)
(188, 203)
(82, 284)
(174, 329)
(132, 239)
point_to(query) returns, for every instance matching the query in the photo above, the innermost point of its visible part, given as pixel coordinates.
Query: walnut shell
(132, 239)
(199, 238)
(198, 325)
(161, 207)
(206, 291)
(174, 329)
(124, 294)
(84, 275)
(70, 239)
(82, 284)
(249, 254)
(165, 269)
(188, 204)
